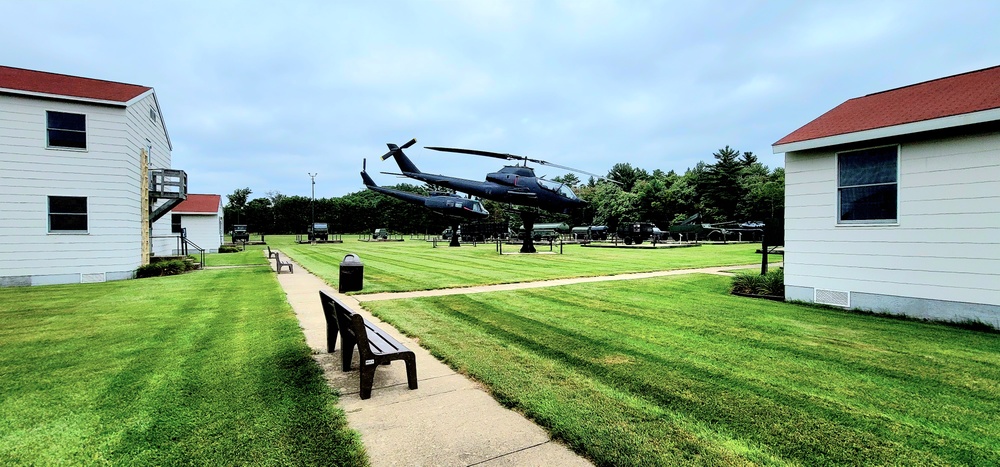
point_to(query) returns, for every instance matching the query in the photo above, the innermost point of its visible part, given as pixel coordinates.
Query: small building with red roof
(200, 218)
(86, 174)
(892, 201)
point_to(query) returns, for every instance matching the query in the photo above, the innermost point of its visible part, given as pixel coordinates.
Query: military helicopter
(513, 184)
(449, 205)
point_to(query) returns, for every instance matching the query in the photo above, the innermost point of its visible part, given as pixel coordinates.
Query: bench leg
(367, 380)
(347, 352)
(411, 370)
(331, 337)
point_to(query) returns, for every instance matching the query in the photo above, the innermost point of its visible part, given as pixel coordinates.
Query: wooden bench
(375, 346)
(270, 254)
(279, 264)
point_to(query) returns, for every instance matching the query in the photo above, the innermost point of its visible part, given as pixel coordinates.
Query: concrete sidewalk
(449, 421)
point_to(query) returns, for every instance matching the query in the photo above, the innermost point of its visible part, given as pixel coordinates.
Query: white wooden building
(201, 218)
(892, 202)
(80, 160)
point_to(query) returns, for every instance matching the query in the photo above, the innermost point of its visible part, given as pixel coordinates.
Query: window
(175, 223)
(66, 130)
(867, 189)
(557, 187)
(67, 214)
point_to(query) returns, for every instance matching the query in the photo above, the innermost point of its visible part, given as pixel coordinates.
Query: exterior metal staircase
(169, 185)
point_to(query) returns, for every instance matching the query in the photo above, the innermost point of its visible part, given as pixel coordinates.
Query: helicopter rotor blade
(499, 155)
(571, 169)
(409, 143)
(476, 152)
(393, 173)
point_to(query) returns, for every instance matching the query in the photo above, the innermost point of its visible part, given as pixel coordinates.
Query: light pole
(312, 205)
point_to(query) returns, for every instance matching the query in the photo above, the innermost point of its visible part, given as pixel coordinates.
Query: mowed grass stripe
(415, 265)
(205, 368)
(603, 366)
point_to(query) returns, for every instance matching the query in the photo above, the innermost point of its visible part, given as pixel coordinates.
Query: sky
(261, 94)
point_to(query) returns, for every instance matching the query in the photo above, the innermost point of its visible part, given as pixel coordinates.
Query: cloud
(259, 93)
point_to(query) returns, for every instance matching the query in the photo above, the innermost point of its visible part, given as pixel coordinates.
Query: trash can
(352, 274)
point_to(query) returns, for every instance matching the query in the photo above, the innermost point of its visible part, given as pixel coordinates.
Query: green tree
(260, 215)
(719, 188)
(570, 180)
(613, 205)
(628, 176)
(765, 197)
(237, 203)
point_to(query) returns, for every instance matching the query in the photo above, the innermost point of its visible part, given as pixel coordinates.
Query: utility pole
(312, 205)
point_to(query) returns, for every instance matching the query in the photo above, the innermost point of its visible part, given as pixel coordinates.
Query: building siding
(204, 230)
(106, 173)
(141, 128)
(945, 245)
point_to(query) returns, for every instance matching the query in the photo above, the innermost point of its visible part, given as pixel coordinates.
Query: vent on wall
(92, 277)
(832, 297)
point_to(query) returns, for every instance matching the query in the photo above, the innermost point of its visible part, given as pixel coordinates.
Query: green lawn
(254, 255)
(207, 368)
(675, 371)
(415, 265)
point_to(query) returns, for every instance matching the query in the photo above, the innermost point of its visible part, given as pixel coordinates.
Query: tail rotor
(393, 149)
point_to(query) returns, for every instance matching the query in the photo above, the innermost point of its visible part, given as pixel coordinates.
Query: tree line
(735, 187)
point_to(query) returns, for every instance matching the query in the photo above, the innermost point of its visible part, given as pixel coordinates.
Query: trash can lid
(351, 259)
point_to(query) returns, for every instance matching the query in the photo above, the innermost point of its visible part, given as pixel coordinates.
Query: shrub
(162, 268)
(149, 270)
(772, 283)
(228, 249)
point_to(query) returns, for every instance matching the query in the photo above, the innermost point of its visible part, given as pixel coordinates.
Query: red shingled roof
(944, 97)
(208, 204)
(65, 85)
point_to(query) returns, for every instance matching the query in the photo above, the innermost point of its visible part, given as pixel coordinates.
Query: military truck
(319, 232)
(240, 233)
(635, 232)
(380, 234)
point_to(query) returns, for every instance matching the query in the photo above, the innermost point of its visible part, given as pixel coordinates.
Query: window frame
(49, 129)
(176, 223)
(839, 204)
(50, 213)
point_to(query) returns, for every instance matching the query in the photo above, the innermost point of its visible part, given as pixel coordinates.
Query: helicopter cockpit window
(560, 188)
(475, 206)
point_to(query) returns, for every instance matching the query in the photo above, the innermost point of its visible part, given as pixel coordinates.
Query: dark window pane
(868, 203)
(175, 223)
(67, 205)
(77, 222)
(66, 121)
(68, 139)
(869, 166)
